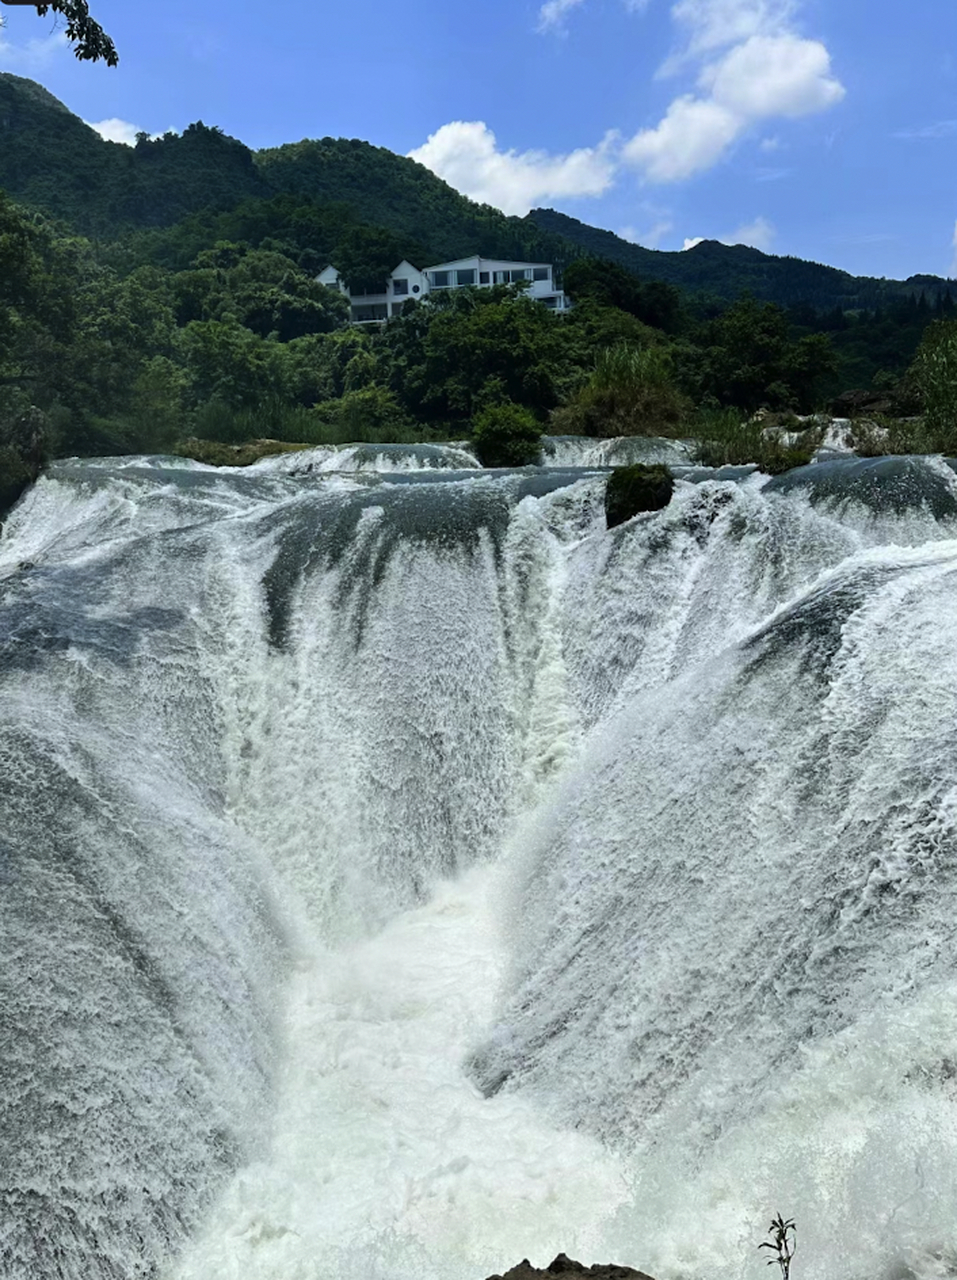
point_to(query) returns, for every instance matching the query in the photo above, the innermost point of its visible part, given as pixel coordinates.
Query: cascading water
(401, 874)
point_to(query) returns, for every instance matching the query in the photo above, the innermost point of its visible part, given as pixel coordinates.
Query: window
(550, 302)
(518, 275)
(397, 308)
(441, 279)
(400, 287)
(540, 273)
(483, 277)
(377, 311)
(501, 277)
(375, 292)
(465, 277)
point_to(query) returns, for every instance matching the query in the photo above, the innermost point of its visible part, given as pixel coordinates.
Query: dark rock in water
(563, 1265)
(634, 489)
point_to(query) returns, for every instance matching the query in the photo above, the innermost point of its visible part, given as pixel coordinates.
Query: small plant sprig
(782, 1243)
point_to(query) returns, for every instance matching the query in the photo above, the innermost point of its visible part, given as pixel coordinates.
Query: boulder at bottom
(568, 1267)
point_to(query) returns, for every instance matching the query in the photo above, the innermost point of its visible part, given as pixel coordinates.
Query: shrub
(506, 435)
(270, 419)
(370, 414)
(15, 476)
(878, 436)
(726, 438)
(631, 490)
(23, 450)
(630, 393)
(782, 1242)
(217, 454)
(935, 373)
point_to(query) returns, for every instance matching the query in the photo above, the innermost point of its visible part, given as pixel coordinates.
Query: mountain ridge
(52, 161)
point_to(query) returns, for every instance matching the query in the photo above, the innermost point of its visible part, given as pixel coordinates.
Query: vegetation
(631, 490)
(177, 302)
(935, 373)
(724, 272)
(52, 161)
(631, 391)
(216, 454)
(506, 435)
(727, 437)
(90, 42)
(782, 1242)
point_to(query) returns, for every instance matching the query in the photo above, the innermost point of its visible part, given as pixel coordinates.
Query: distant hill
(728, 270)
(52, 161)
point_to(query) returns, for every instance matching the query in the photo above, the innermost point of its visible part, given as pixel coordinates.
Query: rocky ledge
(568, 1267)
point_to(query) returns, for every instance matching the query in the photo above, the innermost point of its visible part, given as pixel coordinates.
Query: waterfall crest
(401, 870)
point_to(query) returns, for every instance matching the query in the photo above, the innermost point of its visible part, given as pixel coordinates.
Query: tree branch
(90, 42)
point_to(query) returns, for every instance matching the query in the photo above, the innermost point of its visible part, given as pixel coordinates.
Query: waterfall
(402, 874)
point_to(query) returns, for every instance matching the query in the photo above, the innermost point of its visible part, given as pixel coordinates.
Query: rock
(852, 404)
(563, 1265)
(631, 490)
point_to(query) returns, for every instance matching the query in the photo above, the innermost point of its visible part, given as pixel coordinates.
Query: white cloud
(716, 24)
(691, 137)
(649, 239)
(749, 66)
(115, 130)
(752, 67)
(768, 72)
(553, 13)
(939, 129)
(769, 76)
(466, 155)
(758, 234)
(32, 55)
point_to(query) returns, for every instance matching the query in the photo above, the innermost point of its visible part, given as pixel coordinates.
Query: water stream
(400, 874)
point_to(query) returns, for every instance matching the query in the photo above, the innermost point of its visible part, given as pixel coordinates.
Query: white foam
(384, 1155)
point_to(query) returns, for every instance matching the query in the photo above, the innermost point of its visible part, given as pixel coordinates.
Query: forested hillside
(156, 295)
(727, 271)
(52, 161)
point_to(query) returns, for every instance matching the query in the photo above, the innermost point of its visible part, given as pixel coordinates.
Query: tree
(474, 338)
(366, 257)
(750, 360)
(610, 285)
(90, 42)
(506, 435)
(935, 374)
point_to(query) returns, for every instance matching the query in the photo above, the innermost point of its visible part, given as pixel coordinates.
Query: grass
(217, 454)
(725, 437)
(631, 392)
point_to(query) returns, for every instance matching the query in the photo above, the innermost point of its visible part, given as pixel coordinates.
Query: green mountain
(175, 195)
(726, 271)
(51, 160)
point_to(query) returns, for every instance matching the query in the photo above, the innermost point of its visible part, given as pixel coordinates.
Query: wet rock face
(568, 1267)
(634, 489)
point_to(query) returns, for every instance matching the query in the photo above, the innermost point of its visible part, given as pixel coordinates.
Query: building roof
(476, 258)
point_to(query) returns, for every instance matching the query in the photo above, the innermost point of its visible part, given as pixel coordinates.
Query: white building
(406, 281)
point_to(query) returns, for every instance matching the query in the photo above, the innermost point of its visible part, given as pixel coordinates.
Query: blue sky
(828, 131)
